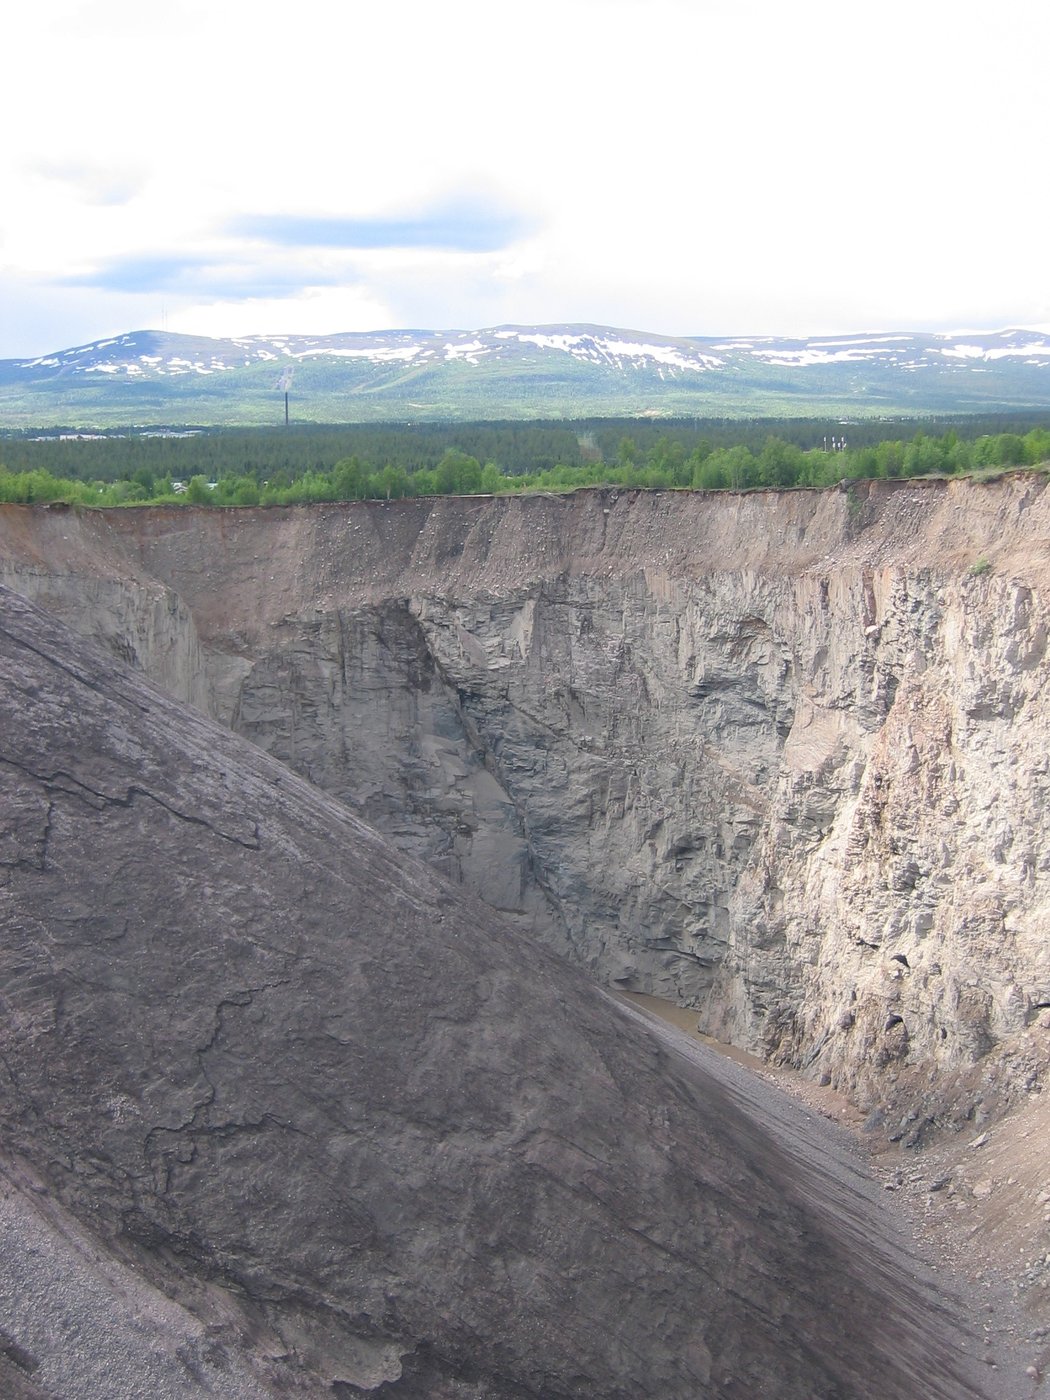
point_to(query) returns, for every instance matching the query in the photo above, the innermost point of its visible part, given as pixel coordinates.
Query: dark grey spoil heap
(368, 1141)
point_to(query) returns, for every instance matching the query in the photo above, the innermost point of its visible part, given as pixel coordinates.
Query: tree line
(666, 463)
(268, 454)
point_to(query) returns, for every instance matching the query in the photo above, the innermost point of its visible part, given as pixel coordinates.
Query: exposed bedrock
(779, 756)
(321, 1124)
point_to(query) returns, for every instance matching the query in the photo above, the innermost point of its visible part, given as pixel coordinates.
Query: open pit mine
(328, 836)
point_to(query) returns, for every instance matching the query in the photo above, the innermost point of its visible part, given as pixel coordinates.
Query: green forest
(274, 467)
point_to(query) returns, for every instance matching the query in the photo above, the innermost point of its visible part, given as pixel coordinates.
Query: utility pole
(285, 383)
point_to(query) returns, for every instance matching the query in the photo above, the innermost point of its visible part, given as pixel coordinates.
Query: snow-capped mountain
(149, 353)
(521, 372)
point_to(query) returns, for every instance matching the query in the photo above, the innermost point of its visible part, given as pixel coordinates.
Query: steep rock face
(87, 577)
(372, 1138)
(781, 757)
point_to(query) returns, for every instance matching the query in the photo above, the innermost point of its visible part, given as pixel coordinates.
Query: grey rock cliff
(361, 1131)
(778, 756)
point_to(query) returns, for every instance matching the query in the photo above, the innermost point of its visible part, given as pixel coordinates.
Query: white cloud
(685, 166)
(323, 311)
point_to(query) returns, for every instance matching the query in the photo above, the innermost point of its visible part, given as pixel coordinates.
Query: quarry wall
(779, 756)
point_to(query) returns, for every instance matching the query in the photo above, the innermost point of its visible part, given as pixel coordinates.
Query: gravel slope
(972, 1211)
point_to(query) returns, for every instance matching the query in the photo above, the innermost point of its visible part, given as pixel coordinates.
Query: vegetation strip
(687, 459)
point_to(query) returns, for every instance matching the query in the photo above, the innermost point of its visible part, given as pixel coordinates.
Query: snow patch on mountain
(816, 356)
(380, 356)
(612, 350)
(468, 352)
(998, 352)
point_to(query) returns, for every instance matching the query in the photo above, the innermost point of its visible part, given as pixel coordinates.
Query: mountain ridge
(568, 370)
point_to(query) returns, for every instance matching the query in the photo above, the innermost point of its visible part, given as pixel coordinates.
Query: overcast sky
(788, 167)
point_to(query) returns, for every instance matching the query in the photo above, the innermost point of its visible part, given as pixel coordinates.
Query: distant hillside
(518, 372)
